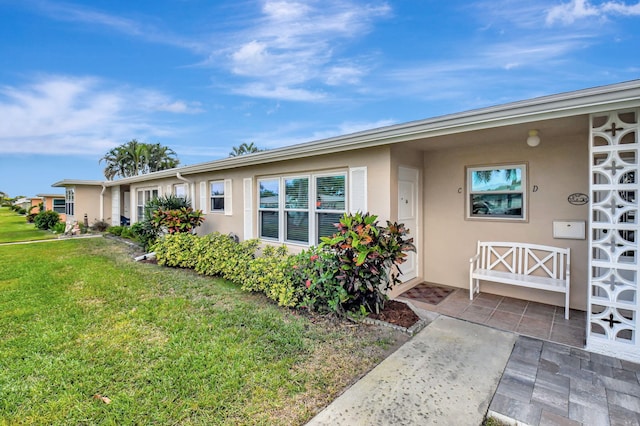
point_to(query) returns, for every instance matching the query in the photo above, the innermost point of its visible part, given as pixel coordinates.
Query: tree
(243, 149)
(135, 158)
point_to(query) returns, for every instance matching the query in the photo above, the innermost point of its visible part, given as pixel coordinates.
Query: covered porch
(582, 169)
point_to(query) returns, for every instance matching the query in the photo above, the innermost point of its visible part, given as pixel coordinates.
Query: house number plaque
(578, 199)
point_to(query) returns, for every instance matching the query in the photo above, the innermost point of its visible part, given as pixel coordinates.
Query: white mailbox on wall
(569, 229)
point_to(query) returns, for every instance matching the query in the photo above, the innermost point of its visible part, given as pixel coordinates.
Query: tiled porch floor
(527, 318)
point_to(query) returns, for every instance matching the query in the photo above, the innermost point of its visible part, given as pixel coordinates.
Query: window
(296, 209)
(330, 204)
(216, 193)
(59, 205)
(69, 201)
(143, 196)
(269, 208)
(497, 192)
(294, 217)
(180, 191)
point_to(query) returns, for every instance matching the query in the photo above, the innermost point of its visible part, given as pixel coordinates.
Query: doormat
(428, 293)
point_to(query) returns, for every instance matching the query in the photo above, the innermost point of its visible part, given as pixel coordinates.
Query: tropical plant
(243, 149)
(135, 158)
(174, 221)
(366, 254)
(315, 273)
(165, 202)
(46, 219)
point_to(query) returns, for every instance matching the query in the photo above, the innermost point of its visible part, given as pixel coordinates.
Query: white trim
(203, 197)
(228, 206)
(357, 190)
(247, 185)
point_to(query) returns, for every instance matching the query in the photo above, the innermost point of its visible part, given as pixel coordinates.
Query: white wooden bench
(521, 264)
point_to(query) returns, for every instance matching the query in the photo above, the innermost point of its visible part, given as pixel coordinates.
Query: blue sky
(78, 78)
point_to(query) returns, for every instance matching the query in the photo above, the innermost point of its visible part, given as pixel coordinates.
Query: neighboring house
(24, 203)
(55, 202)
(503, 173)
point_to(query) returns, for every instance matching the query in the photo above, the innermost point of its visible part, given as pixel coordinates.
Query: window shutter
(358, 189)
(248, 208)
(228, 211)
(203, 197)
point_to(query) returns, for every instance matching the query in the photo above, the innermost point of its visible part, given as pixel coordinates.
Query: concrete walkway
(446, 374)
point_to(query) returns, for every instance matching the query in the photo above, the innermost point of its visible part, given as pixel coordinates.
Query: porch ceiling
(553, 129)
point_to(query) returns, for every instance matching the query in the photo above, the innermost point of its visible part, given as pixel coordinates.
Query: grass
(14, 228)
(79, 320)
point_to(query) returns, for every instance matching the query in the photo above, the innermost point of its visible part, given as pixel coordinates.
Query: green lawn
(80, 320)
(14, 227)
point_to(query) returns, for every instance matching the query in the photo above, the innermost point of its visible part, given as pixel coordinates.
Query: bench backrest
(524, 258)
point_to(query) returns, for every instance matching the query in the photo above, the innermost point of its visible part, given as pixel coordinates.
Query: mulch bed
(397, 313)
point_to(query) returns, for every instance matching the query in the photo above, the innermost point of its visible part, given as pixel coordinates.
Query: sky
(78, 78)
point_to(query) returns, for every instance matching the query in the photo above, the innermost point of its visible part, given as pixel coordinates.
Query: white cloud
(267, 91)
(295, 43)
(78, 115)
(70, 12)
(575, 10)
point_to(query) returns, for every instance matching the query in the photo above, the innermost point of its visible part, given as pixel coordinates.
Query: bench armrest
(474, 258)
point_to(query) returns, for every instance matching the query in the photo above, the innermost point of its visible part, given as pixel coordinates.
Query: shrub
(177, 250)
(99, 226)
(116, 230)
(314, 275)
(59, 228)
(366, 253)
(145, 233)
(220, 255)
(127, 233)
(21, 211)
(173, 221)
(46, 220)
(272, 273)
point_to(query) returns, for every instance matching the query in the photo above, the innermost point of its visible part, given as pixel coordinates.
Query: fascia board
(72, 182)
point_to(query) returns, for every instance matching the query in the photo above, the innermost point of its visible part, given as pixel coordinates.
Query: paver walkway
(547, 383)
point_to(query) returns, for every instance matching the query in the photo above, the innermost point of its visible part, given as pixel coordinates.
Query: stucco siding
(557, 168)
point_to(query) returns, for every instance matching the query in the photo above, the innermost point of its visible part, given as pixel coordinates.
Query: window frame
(61, 208)
(183, 187)
(217, 196)
(312, 209)
(70, 201)
(317, 211)
(145, 191)
(269, 209)
(522, 192)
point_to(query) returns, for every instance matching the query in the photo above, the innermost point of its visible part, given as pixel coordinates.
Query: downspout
(192, 188)
(104, 188)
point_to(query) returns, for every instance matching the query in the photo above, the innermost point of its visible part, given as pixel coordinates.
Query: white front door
(408, 215)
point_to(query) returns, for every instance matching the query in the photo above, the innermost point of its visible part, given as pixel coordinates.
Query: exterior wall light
(533, 139)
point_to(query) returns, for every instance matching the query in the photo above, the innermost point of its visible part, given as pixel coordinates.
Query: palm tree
(135, 158)
(243, 149)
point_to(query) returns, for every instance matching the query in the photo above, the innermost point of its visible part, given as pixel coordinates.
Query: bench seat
(523, 265)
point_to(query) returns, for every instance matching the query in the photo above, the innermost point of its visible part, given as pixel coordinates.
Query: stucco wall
(376, 160)
(378, 183)
(87, 201)
(557, 167)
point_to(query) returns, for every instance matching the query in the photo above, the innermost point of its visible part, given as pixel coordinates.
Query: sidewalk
(454, 372)
(446, 374)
